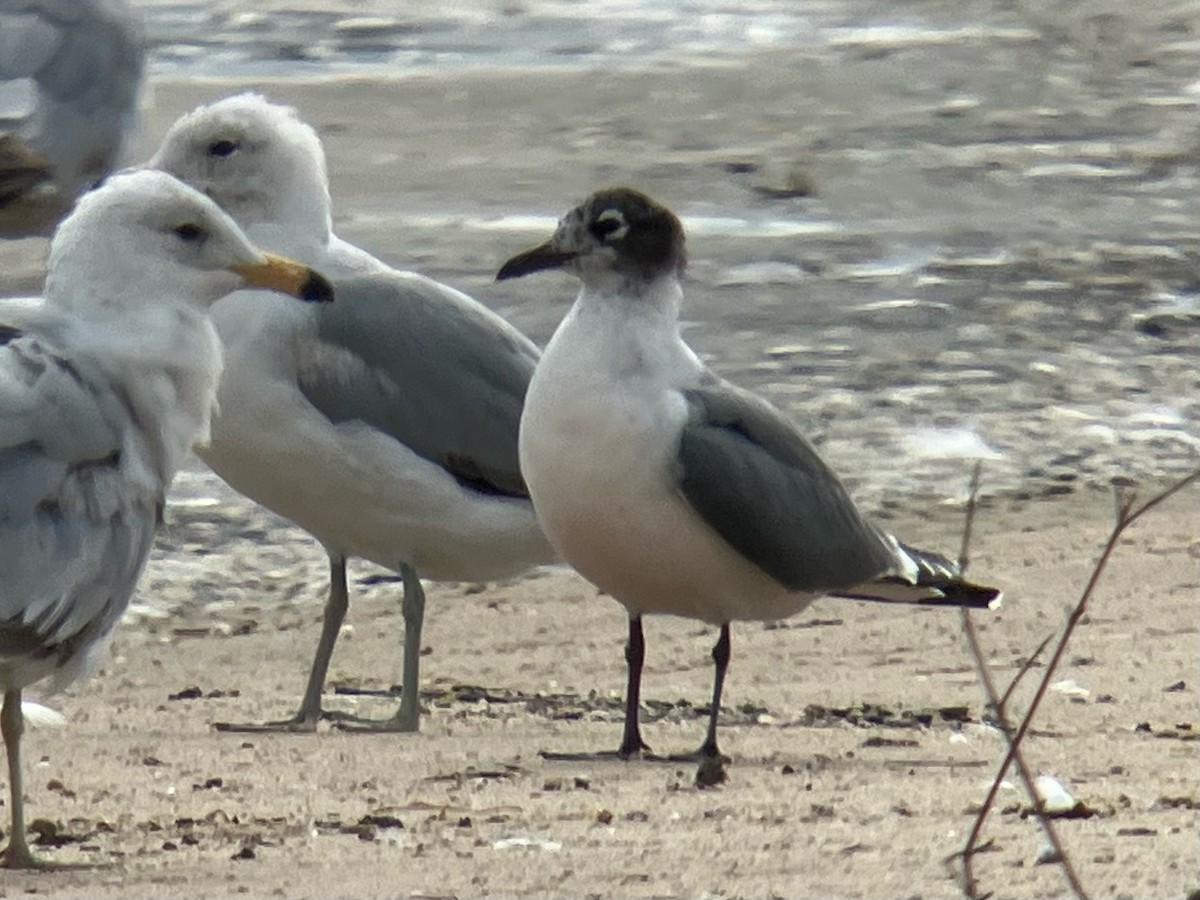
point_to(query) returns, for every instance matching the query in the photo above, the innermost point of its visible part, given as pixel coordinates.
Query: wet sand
(818, 803)
(1035, 347)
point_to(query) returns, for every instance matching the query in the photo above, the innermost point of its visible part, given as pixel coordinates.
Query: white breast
(598, 442)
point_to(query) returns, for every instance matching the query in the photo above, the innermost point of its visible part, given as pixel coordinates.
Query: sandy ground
(816, 805)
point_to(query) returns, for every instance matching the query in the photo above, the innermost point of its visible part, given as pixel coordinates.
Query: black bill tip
(316, 289)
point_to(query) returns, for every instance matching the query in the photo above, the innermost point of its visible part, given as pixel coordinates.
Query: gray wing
(429, 366)
(761, 486)
(75, 530)
(70, 78)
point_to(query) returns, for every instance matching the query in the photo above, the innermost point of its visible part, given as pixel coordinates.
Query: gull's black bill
(543, 256)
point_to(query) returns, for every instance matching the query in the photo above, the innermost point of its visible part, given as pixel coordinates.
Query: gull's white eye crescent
(610, 225)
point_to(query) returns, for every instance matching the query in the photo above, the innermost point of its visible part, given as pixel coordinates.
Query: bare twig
(998, 704)
(970, 885)
(1127, 515)
(1024, 669)
(964, 552)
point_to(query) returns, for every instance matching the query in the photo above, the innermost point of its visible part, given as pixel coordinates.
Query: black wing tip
(945, 576)
(970, 596)
(474, 477)
(950, 594)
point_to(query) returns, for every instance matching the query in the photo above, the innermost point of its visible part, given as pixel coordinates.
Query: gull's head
(257, 159)
(145, 239)
(618, 237)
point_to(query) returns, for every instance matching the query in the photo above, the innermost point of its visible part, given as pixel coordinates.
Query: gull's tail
(938, 582)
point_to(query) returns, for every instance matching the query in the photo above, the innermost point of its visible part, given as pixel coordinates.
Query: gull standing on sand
(672, 490)
(104, 386)
(70, 80)
(386, 424)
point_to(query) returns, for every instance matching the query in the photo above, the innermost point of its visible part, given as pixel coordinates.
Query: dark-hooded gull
(671, 489)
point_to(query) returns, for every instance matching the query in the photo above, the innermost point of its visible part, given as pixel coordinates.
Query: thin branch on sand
(1127, 513)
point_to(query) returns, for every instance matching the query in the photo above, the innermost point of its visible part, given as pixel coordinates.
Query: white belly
(596, 451)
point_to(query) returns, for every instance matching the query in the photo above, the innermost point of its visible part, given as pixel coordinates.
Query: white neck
(296, 192)
(319, 248)
(303, 242)
(631, 316)
(621, 337)
(658, 300)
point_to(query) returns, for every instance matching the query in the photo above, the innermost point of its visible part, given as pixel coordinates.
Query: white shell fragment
(536, 843)
(1053, 795)
(1070, 687)
(38, 715)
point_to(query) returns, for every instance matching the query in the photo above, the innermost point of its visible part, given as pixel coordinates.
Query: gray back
(430, 367)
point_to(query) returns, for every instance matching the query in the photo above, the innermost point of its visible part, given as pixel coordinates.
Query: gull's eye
(610, 225)
(189, 232)
(222, 147)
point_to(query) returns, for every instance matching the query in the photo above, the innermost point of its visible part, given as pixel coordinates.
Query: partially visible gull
(104, 386)
(385, 424)
(70, 79)
(671, 489)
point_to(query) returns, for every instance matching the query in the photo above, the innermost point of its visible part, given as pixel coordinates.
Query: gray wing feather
(762, 487)
(74, 532)
(427, 365)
